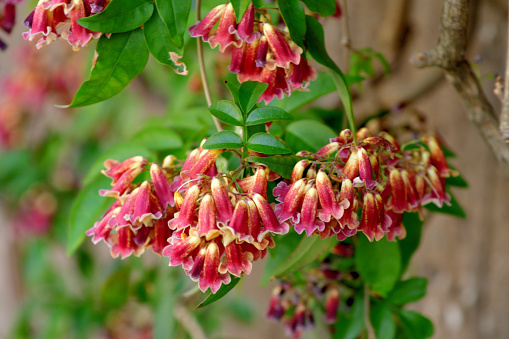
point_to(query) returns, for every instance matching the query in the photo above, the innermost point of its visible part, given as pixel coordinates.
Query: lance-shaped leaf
(267, 114)
(282, 165)
(316, 45)
(267, 144)
(309, 135)
(240, 6)
(249, 93)
(119, 16)
(122, 57)
(234, 91)
(294, 16)
(223, 139)
(223, 290)
(159, 42)
(175, 14)
(227, 112)
(322, 7)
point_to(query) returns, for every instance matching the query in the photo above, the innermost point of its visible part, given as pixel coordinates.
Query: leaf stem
(203, 73)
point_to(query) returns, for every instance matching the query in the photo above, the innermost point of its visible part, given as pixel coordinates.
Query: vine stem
(203, 73)
(367, 320)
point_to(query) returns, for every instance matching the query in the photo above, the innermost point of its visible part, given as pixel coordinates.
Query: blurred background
(46, 151)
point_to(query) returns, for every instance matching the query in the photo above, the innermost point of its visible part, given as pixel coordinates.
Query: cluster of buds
(49, 16)
(373, 174)
(292, 304)
(260, 51)
(210, 223)
(7, 17)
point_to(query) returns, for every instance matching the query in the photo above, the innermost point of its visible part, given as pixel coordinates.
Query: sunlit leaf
(267, 144)
(249, 93)
(267, 114)
(175, 14)
(119, 16)
(223, 290)
(227, 112)
(122, 57)
(223, 139)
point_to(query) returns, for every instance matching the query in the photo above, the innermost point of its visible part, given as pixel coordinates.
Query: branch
(449, 55)
(203, 73)
(504, 116)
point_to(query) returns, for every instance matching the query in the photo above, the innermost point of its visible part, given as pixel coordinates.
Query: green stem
(203, 74)
(346, 98)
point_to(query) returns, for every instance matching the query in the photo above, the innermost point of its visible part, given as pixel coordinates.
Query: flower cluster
(7, 17)
(212, 224)
(293, 302)
(54, 19)
(139, 217)
(260, 51)
(374, 174)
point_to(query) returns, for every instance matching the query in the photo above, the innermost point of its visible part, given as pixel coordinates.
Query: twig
(367, 320)
(504, 116)
(189, 322)
(203, 73)
(449, 55)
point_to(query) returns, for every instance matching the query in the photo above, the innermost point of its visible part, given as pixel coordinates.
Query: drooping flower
(51, 20)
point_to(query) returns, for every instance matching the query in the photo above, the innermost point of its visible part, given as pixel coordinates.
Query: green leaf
(157, 138)
(350, 325)
(249, 93)
(159, 42)
(308, 250)
(227, 112)
(316, 46)
(240, 6)
(322, 7)
(383, 321)
(234, 91)
(379, 263)
(223, 290)
(408, 291)
(267, 114)
(267, 144)
(122, 57)
(294, 16)
(409, 245)
(457, 181)
(223, 139)
(120, 153)
(282, 165)
(86, 210)
(175, 14)
(115, 290)
(286, 244)
(309, 135)
(321, 86)
(119, 16)
(455, 208)
(415, 325)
